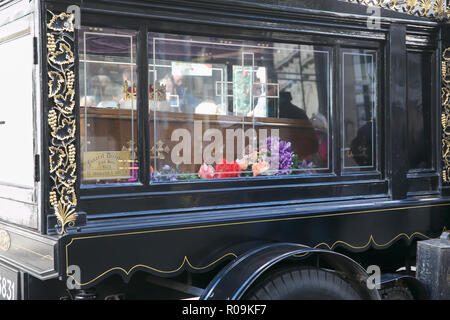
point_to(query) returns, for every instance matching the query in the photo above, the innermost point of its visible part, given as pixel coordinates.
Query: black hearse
(222, 149)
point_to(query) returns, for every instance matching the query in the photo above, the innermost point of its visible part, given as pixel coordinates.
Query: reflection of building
(300, 73)
(358, 108)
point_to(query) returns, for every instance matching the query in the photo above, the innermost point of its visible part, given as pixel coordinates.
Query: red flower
(227, 170)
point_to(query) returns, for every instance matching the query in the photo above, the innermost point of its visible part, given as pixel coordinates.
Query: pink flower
(206, 171)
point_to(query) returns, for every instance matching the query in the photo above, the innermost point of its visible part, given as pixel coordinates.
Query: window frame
(426, 181)
(353, 184)
(378, 166)
(325, 171)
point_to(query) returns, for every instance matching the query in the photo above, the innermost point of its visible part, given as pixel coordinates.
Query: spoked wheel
(302, 284)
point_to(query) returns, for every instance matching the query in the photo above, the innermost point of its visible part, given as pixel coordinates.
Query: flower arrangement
(277, 159)
(167, 173)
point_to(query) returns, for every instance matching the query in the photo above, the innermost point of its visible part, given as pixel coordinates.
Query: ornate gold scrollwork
(425, 8)
(445, 116)
(61, 118)
(5, 240)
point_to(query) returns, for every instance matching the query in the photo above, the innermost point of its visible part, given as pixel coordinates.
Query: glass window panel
(108, 126)
(359, 109)
(419, 111)
(226, 108)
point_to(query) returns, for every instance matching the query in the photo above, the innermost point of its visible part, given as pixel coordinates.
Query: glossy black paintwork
(419, 83)
(169, 228)
(397, 127)
(200, 241)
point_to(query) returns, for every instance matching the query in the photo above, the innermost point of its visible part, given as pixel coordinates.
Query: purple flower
(165, 174)
(280, 152)
(155, 176)
(306, 165)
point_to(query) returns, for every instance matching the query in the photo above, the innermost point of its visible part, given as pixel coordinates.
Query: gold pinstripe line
(371, 240)
(185, 261)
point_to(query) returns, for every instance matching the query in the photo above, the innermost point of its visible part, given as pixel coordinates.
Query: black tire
(396, 293)
(301, 284)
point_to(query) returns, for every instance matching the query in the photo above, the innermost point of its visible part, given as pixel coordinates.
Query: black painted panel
(168, 251)
(396, 111)
(419, 82)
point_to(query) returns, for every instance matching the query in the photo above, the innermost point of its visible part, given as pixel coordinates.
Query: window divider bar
(142, 106)
(335, 134)
(397, 151)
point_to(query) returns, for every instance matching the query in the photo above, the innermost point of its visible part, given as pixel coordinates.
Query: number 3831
(7, 289)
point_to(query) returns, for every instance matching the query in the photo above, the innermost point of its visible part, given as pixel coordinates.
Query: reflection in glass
(359, 94)
(223, 108)
(108, 106)
(419, 111)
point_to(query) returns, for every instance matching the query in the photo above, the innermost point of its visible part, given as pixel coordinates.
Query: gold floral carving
(61, 118)
(445, 116)
(425, 8)
(5, 240)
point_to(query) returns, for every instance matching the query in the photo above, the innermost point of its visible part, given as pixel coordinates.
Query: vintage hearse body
(220, 145)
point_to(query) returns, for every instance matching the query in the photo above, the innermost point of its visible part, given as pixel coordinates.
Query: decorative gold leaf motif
(67, 176)
(445, 116)
(425, 5)
(393, 4)
(63, 56)
(62, 22)
(5, 240)
(68, 196)
(66, 216)
(56, 158)
(65, 131)
(66, 103)
(55, 83)
(61, 118)
(426, 8)
(439, 8)
(411, 4)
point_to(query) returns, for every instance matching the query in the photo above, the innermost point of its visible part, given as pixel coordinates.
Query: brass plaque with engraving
(107, 165)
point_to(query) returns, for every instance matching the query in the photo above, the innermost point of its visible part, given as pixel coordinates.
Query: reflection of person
(361, 146)
(98, 85)
(290, 110)
(113, 94)
(319, 122)
(175, 87)
(307, 139)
